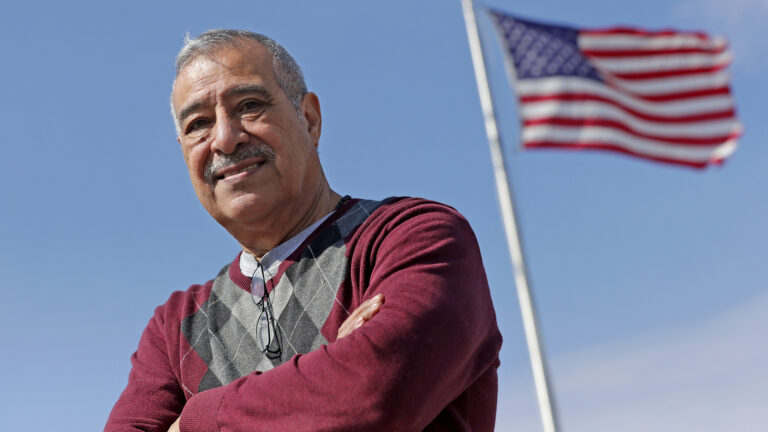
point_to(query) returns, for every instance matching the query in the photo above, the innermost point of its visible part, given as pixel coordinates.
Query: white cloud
(711, 376)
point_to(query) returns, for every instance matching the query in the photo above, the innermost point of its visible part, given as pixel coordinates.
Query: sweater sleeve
(153, 398)
(433, 338)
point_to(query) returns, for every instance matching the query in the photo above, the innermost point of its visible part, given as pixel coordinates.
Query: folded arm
(431, 343)
(433, 338)
(367, 310)
(160, 396)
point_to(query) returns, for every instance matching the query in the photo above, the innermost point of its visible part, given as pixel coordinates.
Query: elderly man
(338, 313)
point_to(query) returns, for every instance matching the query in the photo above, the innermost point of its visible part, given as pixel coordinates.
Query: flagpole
(504, 191)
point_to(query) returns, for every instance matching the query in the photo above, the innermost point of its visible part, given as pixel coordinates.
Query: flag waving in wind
(660, 95)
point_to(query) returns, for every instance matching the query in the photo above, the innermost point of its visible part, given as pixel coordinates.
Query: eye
(196, 125)
(251, 105)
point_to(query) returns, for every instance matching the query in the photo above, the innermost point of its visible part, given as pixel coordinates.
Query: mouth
(239, 171)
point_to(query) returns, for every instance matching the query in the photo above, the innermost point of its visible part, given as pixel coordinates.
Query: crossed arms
(428, 357)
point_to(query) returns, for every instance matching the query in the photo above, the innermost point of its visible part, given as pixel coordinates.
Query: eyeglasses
(267, 335)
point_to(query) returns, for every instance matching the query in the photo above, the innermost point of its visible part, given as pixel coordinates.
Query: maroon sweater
(426, 361)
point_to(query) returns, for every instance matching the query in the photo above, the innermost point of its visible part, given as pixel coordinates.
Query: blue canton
(539, 51)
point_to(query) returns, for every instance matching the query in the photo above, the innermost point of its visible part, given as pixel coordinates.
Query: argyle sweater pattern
(199, 356)
(223, 331)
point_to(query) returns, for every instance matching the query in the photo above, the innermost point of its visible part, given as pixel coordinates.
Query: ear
(310, 110)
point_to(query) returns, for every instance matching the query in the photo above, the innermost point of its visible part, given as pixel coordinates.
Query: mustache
(241, 153)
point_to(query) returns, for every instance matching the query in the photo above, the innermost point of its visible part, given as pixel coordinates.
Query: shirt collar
(272, 259)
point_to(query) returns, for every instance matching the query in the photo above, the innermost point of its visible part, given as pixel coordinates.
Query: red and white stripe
(666, 97)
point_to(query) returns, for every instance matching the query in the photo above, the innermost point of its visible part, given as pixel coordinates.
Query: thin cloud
(712, 376)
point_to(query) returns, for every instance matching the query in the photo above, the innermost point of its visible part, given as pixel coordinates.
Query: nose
(228, 134)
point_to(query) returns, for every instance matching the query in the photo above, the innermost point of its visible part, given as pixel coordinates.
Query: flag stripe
(660, 62)
(579, 110)
(645, 52)
(671, 73)
(588, 41)
(630, 31)
(706, 95)
(591, 109)
(675, 114)
(612, 124)
(670, 85)
(607, 136)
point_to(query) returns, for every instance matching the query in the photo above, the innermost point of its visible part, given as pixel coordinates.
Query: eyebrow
(188, 110)
(236, 91)
(249, 89)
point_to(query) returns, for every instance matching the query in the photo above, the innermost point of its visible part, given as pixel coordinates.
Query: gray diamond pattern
(223, 331)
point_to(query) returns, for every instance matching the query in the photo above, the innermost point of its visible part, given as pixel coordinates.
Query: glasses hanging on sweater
(267, 335)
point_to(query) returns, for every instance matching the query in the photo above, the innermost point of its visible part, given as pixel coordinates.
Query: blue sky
(649, 279)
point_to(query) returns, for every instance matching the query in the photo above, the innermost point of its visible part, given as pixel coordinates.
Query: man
(338, 314)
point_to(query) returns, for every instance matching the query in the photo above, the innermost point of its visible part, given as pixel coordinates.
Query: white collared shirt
(271, 260)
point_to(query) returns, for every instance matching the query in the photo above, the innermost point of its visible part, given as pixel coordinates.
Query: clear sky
(649, 279)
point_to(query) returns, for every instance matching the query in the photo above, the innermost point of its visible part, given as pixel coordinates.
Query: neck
(259, 243)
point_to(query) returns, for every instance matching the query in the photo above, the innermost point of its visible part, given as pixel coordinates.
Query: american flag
(660, 95)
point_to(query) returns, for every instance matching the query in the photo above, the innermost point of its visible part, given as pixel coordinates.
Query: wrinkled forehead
(209, 72)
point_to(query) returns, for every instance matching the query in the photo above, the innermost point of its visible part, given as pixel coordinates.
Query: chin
(244, 208)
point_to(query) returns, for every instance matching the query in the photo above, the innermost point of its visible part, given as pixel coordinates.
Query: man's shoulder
(408, 207)
(397, 221)
(412, 212)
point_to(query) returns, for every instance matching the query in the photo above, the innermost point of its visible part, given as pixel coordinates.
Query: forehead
(210, 74)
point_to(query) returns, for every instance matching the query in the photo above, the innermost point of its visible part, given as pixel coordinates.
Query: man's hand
(365, 312)
(175, 426)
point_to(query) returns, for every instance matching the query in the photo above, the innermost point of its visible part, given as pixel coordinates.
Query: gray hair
(287, 71)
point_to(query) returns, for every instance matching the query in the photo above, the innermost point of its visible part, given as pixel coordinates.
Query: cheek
(196, 159)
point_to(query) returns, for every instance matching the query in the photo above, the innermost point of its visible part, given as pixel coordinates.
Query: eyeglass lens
(264, 331)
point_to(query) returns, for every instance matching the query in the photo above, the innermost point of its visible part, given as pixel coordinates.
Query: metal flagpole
(543, 387)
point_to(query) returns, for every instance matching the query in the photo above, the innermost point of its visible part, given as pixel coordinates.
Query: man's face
(251, 157)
